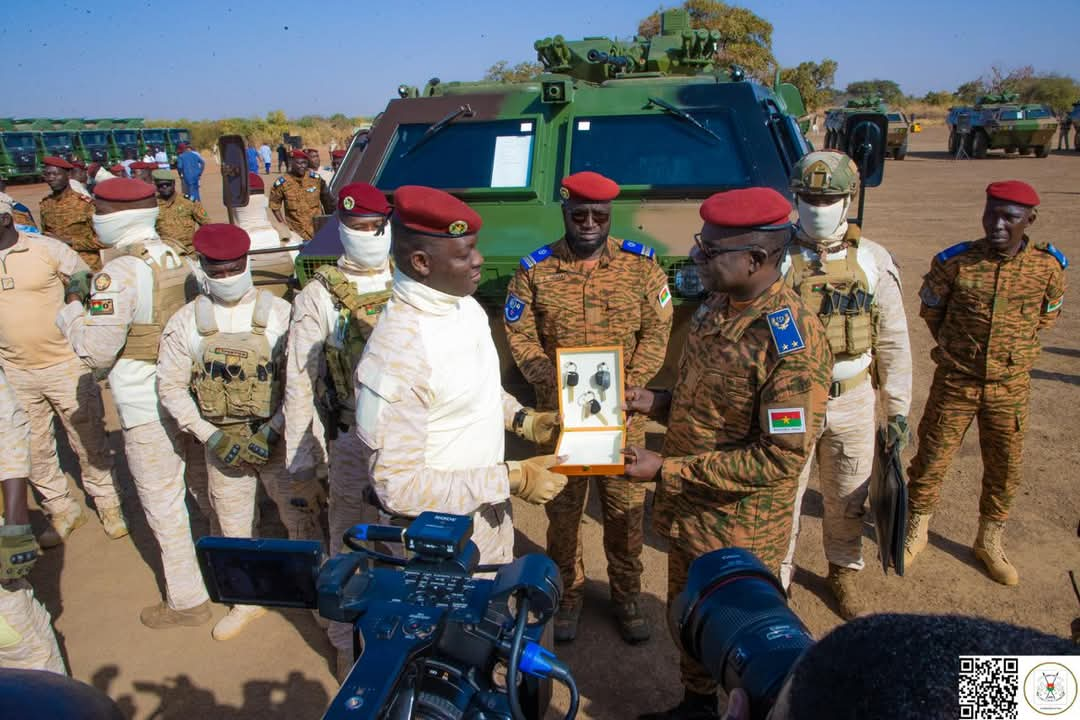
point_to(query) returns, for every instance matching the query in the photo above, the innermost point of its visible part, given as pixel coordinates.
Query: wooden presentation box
(593, 423)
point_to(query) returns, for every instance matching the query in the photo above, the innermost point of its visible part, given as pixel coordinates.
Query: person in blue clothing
(253, 159)
(267, 155)
(190, 166)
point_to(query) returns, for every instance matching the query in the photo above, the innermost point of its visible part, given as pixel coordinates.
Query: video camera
(733, 618)
(433, 641)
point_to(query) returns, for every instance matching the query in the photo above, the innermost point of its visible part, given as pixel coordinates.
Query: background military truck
(1000, 122)
(899, 125)
(19, 153)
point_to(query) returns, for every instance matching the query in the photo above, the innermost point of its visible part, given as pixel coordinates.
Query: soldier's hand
(260, 445)
(79, 286)
(539, 427)
(226, 447)
(641, 464)
(307, 494)
(898, 432)
(18, 551)
(639, 400)
(533, 482)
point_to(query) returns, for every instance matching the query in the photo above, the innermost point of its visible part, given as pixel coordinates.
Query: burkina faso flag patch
(786, 420)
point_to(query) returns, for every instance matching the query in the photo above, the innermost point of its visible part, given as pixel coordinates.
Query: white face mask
(229, 289)
(126, 226)
(822, 222)
(364, 247)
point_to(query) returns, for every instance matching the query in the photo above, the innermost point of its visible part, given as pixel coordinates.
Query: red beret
(311, 150)
(78, 164)
(433, 212)
(589, 187)
(1014, 191)
(181, 147)
(338, 154)
(220, 241)
(362, 199)
(755, 207)
(58, 162)
(123, 190)
(118, 169)
(298, 154)
(140, 165)
(255, 182)
(94, 167)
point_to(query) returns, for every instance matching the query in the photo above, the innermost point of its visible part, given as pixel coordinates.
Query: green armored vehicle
(899, 126)
(1000, 122)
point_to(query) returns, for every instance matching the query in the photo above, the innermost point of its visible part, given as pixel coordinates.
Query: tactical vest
(238, 378)
(838, 290)
(356, 319)
(171, 291)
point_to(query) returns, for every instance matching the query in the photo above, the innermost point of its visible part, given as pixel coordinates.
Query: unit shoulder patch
(953, 251)
(1053, 251)
(785, 332)
(536, 256)
(636, 248)
(280, 181)
(515, 306)
(102, 281)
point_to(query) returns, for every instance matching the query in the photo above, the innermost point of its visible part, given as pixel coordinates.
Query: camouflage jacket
(746, 410)
(178, 219)
(68, 218)
(300, 199)
(985, 311)
(554, 302)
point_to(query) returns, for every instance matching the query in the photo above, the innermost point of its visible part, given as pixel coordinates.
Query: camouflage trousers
(233, 494)
(1001, 409)
(845, 460)
(155, 454)
(348, 507)
(67, 390)
(27, 639)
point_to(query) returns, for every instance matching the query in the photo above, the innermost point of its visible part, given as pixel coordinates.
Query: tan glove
(539, 427)
(531, 480)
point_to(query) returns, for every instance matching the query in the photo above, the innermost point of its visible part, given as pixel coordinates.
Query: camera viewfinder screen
(279, 573)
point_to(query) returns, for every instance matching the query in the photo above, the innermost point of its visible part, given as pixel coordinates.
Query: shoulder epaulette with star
(536, 256)
(637, 248)
(1057, 254)
(279, 181)
(953, 251)
(313, 174)
(785, 332)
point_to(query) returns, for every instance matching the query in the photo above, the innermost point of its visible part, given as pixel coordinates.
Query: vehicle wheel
(1025, 150)
(979, 145)
(901, 152)
(954, 142)
(1042, 151)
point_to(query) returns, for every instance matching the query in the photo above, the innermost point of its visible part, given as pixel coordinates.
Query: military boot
(61, 525)
(841, 582)
(162, 617)
(918, 528)
(112, 519)
(633, 625)
(566, 622)
(239, 616)
(990, 549)
(694, 706)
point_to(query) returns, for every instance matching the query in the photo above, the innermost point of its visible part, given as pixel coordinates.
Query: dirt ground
(281, 667)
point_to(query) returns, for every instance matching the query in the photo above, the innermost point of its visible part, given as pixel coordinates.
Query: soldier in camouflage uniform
(854, 286)
(747, 407)
(296, 198)
(127, 305)
(66, 215)
(27, 640)
(178, 217)
(985, 303)
(332, 318)
(590, 289)
(219, 375)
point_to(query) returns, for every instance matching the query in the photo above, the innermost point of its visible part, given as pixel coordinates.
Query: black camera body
(433, 641)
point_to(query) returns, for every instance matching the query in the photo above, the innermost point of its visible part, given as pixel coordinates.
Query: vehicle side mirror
(865, 135)
(234, 171)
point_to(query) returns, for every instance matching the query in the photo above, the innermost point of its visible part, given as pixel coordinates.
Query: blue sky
(219, 58)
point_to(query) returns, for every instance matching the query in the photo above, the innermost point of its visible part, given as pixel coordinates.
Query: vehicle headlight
(688, 282)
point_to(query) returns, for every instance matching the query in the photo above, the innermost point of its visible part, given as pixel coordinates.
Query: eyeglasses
(711, 253)
(580, 215)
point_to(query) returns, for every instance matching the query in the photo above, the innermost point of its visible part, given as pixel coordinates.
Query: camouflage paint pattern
(68, 218)
(178, 219)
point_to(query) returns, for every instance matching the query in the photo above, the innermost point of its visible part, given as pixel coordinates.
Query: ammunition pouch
(838, 290)
(170, 293)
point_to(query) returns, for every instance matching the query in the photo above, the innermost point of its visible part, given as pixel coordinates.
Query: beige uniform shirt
(33, 275)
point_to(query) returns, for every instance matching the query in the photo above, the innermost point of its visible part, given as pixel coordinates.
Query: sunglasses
(580, 215)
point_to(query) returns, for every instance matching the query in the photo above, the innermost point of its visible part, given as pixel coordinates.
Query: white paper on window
(510, 168)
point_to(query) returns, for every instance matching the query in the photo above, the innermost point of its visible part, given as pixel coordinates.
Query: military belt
(839, 387)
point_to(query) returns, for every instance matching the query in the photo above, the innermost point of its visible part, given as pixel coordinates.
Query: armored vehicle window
(153, 136)
(894, 117)
(1009, 115)
(1036, 113)
(57, 141)
(461, 155)
(660, 151)
(93, 138)
(179, 136)
(19, 141)
(124, 137)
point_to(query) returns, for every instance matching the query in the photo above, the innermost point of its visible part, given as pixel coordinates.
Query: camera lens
(733, 618)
